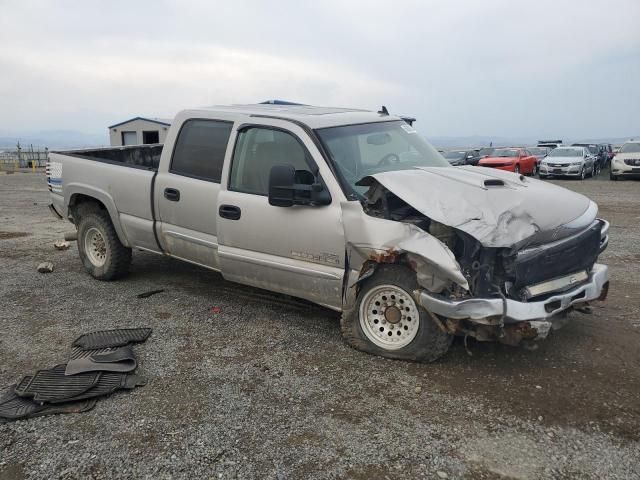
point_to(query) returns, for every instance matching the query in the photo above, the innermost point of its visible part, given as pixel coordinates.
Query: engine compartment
(495, 272)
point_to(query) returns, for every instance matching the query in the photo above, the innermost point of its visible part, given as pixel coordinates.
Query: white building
(138, 131)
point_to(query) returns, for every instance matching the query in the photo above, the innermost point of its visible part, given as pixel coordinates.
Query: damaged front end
(498, 271)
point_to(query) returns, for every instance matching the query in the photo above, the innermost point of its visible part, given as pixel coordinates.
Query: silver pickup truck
(349, 209)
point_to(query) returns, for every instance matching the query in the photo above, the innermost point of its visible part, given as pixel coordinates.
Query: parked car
(626, 163)
(597, 152)
(608, 152)
(486, 151)
(349, 209)
(462, 157)
(569, 162)
(517, 160)
(550, 143)
(539, 153)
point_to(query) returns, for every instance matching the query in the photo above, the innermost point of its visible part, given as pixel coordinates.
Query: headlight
(576, 163)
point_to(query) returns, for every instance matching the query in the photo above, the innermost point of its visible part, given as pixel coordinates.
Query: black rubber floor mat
(111, 338)
(53, 386)
(113, 360)
(79, 352)
(13, 407)
(109, 382)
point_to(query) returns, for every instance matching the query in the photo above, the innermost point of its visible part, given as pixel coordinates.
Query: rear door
(187, 194)
(297, 250)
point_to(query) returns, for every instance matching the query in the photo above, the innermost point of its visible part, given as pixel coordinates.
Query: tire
(612, 176)
(541, 176)
(583, 173)
(516, 169)
(424, 342)
(593, 171)
(101, 252)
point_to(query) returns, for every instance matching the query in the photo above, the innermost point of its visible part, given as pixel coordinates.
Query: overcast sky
(562, 68)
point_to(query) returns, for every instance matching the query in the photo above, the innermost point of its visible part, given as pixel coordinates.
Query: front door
(297, 250)
(187, 193)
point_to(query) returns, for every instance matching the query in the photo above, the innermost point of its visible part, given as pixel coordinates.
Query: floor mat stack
(99, 364)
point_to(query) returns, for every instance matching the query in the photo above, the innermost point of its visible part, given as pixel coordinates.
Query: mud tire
(117, 256)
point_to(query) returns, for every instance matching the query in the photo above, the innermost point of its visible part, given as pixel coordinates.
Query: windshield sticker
(408, 128)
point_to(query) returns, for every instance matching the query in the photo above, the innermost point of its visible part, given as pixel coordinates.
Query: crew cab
(349, 209)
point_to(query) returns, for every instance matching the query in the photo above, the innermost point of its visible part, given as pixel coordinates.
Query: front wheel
(516, 169)
(101, 252)
(387, 321)
(583, 173)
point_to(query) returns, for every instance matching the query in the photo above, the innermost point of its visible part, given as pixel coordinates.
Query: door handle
(172, 194)
(230, 212)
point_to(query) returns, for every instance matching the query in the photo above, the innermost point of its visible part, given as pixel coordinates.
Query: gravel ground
(265, 387)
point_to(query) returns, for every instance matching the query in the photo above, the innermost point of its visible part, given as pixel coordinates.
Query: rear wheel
(387, 321)
(101, 252)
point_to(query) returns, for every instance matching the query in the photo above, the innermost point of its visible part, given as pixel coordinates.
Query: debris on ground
(215, 310)
(148, 294)
(95, 369)
(61, 245)
(45, 267)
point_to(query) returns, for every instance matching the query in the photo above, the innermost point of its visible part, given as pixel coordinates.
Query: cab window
(257, 150)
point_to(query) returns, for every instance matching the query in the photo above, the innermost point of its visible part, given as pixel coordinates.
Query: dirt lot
(265, 388)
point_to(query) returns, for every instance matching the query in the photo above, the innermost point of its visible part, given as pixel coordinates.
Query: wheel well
(81, 204)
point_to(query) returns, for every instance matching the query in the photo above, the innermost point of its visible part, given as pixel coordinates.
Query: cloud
(467, 67)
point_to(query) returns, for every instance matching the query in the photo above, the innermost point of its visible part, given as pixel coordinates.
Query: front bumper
(483, 310)
(564, 171)
(620, 167)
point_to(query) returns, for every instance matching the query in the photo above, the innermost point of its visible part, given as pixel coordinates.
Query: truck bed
(137, 156)
(121, 178)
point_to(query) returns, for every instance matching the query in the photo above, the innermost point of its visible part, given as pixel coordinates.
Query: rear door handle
(230, 212)
(172, 194)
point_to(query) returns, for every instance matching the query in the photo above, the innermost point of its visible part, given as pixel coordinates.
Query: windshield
(508, 152)
(566, 152)
(630, 148)
(369, 148)
(454, 155)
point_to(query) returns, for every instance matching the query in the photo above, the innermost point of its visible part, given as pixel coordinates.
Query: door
(129, 138)
(187, 193)
(297, 250)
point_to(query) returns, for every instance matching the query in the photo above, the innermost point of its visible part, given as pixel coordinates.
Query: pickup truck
(350, 209)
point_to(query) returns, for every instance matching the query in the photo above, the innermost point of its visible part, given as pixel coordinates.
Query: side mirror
(285, 191)
(281, 183)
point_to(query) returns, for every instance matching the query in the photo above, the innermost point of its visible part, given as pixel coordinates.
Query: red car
(517, 160)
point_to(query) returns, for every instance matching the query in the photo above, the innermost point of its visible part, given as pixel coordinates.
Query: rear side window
(200, 149)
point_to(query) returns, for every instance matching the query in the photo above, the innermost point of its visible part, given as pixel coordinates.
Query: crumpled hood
(499, 209)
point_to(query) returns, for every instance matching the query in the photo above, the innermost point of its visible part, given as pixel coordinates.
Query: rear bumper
(481, 310)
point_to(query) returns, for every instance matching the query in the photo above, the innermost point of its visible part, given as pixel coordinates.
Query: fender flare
(103, 197)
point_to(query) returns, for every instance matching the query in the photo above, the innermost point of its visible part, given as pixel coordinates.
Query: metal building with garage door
(139, 131)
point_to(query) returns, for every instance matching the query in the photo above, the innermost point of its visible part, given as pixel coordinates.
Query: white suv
(627, 161)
